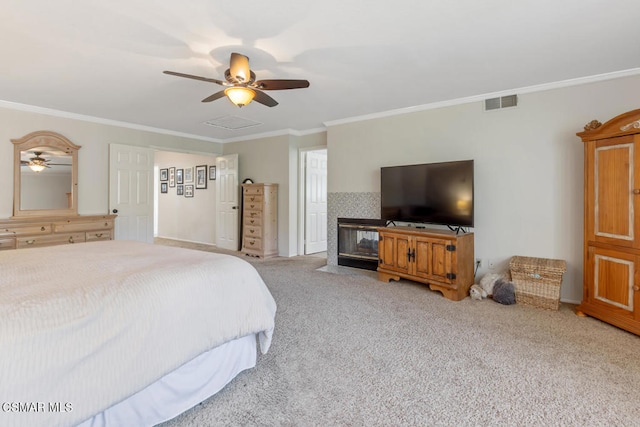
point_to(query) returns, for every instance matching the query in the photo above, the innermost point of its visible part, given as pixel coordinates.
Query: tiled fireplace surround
(347, 205)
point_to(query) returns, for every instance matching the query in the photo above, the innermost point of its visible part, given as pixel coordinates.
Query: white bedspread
(84, 326)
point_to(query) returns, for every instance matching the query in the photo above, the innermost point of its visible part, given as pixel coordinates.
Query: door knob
(636, 288)
(115, 211)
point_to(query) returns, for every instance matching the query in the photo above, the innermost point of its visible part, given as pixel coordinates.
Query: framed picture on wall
(180, 190)
(188, 190)
(201, 177)
(163, 187)
(172, 177)
(164, 174)
(180, 176)
(212, 172)
(188, 175)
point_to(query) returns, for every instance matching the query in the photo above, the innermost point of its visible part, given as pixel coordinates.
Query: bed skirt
(184, 388)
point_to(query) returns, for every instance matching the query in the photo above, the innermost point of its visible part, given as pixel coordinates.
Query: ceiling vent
(231, 122)
(501, 102)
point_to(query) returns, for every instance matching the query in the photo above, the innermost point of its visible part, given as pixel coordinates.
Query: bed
(122, 332)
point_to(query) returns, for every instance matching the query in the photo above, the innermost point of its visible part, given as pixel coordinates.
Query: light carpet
(349, 350)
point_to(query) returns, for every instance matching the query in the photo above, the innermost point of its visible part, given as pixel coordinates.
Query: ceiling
(104, 59)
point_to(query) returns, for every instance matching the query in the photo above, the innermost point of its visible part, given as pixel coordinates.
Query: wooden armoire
(612, 221)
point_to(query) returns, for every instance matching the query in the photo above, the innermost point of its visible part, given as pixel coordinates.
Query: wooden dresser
(17, 233)
(260, 220)
(611, 289)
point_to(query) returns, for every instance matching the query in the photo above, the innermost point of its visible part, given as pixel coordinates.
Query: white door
(131, 191)
(227, 204)
(316, 202)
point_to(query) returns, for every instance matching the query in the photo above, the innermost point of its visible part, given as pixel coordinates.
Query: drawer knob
(252, 221)
(98, 235)
(41, 228)
(71, 239)
(30, 242)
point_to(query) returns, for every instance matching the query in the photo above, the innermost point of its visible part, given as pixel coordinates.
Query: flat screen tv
(434, 193)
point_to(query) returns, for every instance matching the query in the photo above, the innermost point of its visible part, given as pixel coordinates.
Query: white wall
(275, 160)
(528, 165)
(529, 190)
(186, 218)
(93, 157)
(271, 159)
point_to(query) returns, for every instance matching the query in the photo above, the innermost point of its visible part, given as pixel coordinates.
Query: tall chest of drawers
(260, 220)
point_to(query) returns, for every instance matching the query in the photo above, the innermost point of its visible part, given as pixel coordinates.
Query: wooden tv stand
(440, 258)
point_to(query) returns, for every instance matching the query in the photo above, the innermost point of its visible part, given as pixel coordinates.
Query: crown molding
(85, 118)
(293, 132)
(283, 132)
(482, 97)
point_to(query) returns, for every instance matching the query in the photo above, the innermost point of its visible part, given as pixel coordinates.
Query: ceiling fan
(38, 163)
(242, 84)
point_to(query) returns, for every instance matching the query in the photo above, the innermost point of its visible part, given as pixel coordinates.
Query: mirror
(45, 175)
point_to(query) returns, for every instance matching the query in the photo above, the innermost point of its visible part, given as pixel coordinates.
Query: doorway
(186, 206)
(131, 191)
(312, 235)
(227, 201)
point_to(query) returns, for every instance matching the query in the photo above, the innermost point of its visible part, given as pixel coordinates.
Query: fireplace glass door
(358, 242)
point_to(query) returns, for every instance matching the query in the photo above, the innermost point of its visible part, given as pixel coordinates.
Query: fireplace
(358, 242)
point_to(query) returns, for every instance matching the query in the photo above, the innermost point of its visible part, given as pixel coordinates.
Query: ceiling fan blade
(264, 99)
(204, 79)
(239, 67)
(280, 84)
(46, 165)
(213, 97)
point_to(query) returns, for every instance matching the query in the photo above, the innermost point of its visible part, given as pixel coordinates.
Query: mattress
(83, 327)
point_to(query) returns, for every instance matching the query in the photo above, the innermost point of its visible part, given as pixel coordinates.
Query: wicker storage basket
(537, 280)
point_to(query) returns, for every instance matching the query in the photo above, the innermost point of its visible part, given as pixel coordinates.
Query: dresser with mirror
(45, 196)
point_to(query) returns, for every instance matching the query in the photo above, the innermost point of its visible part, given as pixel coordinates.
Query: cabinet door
(611, 187)
(612, 279)
(433, 259)
(393, 252)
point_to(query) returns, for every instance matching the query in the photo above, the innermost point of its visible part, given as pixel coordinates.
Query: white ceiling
(104, 59)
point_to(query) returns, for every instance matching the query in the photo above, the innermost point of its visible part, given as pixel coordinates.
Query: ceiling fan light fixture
(242, 86)
(36, 166)
(240, 96)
